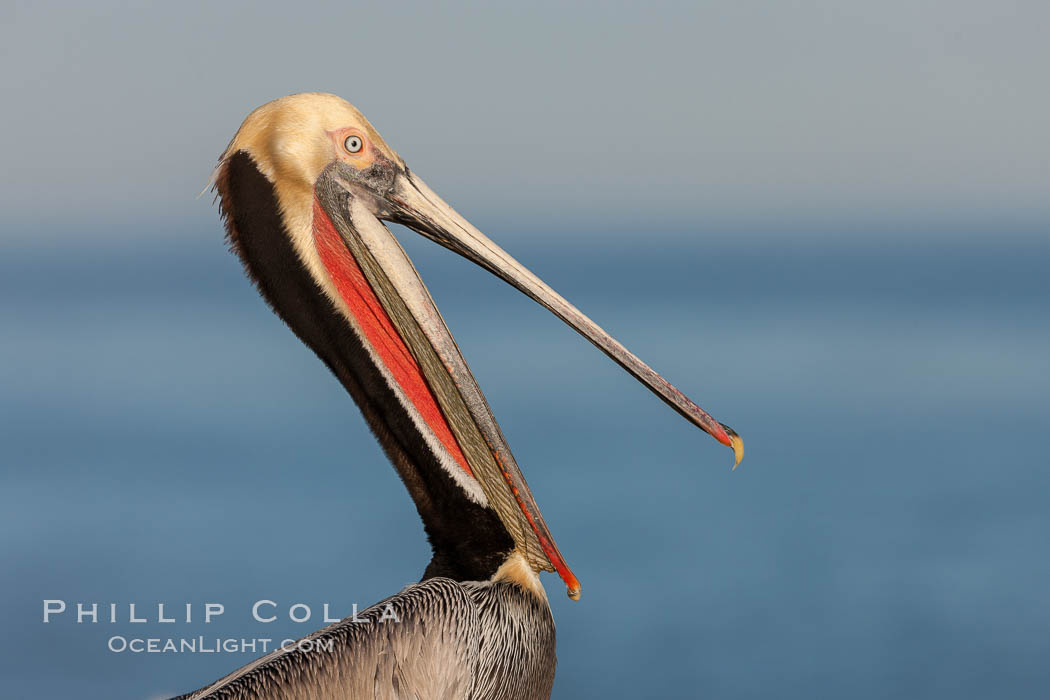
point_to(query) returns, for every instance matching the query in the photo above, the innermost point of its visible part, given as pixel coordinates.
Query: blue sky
(720, 114)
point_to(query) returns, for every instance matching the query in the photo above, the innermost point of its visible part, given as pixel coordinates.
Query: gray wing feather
(431, 651)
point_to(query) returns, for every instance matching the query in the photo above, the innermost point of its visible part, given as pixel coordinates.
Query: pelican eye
(353, 144)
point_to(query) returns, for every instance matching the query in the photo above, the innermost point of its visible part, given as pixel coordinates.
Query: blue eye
(353, 144)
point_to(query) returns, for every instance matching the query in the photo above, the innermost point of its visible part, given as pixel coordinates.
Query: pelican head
(306, 185)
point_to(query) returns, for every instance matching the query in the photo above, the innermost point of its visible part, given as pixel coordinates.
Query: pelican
(304, 188)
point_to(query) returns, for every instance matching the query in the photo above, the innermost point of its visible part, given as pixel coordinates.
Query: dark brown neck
(468, 539)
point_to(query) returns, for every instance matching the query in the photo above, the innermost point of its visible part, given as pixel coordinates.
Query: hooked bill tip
(736, 443)
(574, 592)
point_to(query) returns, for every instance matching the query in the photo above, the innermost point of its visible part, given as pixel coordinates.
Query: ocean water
(165, 439)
